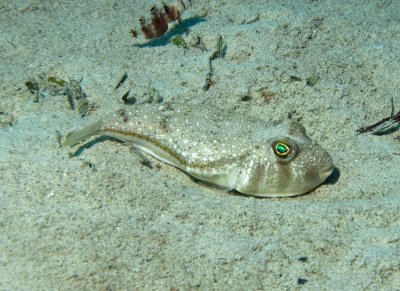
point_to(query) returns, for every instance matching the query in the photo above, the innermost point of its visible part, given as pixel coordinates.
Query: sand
(100, 216)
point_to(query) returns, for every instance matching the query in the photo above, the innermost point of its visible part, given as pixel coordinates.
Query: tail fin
(75, 137)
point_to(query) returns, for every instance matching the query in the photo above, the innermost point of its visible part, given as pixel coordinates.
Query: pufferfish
(230, 150)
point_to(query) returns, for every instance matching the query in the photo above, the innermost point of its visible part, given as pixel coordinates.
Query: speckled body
(226, 149)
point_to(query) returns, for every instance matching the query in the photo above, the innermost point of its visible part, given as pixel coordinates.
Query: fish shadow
(333, 178)
(89, 144)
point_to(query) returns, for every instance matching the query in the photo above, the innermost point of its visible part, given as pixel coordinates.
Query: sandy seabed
(98, 217)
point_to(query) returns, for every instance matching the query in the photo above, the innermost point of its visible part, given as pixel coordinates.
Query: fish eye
(284, 149)
(166, 8)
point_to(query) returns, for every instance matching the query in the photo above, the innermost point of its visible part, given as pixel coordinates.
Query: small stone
(301, 281)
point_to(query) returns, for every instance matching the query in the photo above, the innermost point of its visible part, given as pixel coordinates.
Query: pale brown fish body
(226, 149)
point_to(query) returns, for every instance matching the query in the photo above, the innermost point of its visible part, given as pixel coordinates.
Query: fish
(227, 149)
(160, 17)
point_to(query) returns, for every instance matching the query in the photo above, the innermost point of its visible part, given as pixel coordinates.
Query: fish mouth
(327, 171)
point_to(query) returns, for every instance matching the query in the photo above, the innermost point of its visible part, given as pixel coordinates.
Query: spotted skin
(230, 150)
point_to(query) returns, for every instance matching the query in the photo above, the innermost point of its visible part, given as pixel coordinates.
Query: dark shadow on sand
(91, 143)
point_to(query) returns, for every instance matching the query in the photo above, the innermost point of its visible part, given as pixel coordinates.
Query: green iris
(282, 149)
